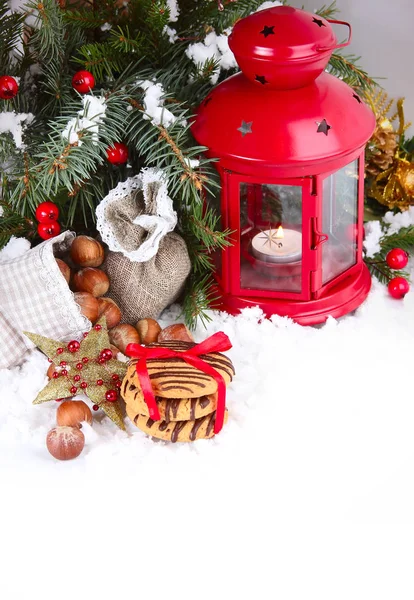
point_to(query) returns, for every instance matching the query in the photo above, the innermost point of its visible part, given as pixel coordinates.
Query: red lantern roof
(247, 118)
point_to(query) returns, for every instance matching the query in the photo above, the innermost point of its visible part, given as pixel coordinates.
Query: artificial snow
(213, 47)
(373, 234)
(398, 220)
(14, 248)
(14, 123)
(268, 5)
(154, 104)
(171, 33)
(174, 10)
(88, 120)
(306, 493)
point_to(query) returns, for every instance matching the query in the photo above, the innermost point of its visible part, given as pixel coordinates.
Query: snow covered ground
(307, 492)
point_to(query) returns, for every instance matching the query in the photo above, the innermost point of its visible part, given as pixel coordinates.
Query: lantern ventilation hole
(261, 79)
(318, 22)
(357, 98)
(323, 127)
(266, 31)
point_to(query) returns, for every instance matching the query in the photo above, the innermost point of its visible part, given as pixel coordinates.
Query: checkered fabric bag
(35, 297)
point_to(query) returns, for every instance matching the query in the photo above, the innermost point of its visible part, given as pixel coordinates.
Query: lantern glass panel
(213, 203)
(271, 237)
(340, 217)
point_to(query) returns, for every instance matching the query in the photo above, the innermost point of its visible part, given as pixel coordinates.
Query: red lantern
(290, 141)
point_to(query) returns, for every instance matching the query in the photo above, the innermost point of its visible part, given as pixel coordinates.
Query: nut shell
(110, 310)
(122, 335)
(65, 443)
(175, 332)
(148, 330)
(91, 280)
(87, 252)
(88, 305)
(71, 413)
(64, 269)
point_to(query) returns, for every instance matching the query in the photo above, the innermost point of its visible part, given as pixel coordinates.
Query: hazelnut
(64, 269)
(148, 330)
(72, 412)
(88, 305)
(87, 252)
(65, 443)
(122, 335)
(110, 310)
(175, 332)
(91, 280)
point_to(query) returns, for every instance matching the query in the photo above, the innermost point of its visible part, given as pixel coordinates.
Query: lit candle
(278, 245)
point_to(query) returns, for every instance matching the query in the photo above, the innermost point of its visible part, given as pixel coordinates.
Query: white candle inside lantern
(277, 245)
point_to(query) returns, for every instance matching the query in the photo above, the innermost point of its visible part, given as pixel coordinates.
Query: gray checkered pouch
(34, 296)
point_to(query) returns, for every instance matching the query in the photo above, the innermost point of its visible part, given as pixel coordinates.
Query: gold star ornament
(87, 367)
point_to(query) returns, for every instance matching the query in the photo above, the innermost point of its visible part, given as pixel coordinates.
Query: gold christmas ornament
(87, 367)
(392, 172)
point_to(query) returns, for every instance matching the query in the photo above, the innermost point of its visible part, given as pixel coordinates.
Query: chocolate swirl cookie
(174, 378)
(176, 431)
(171, 409)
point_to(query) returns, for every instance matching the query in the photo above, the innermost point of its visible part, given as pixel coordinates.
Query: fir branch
(13, 224)
(346, 68)
(200, 296)
(328, 11)
(404, 238)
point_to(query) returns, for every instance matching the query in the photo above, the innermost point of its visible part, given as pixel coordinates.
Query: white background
(383, 32)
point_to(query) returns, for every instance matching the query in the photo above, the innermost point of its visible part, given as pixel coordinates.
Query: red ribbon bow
(215, 343)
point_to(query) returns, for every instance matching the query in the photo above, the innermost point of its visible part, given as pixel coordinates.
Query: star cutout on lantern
(323, 127)
(268, 30)
(357, 98)
(84, 367)
(261, 79)
(245, 128)
(318, 22)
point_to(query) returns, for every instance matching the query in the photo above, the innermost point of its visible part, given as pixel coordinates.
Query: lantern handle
(348, 41)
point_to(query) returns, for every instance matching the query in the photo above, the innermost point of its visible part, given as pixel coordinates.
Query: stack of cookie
(186, 397)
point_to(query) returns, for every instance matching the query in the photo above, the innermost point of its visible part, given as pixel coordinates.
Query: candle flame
(279, 233)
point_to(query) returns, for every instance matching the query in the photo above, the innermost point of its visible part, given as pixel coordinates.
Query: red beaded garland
(114, 377)
(117, 154)
(59, 350)
(84, 385)
(64, 372)
(83, 81)
(46, 212)
(106, 354)
(63, 363)
(85, 359)
(111, 396)
(118, 384)
(8, 87)
(73, 346)
(397, 258)
(77, 378)
(98, 327)
(49, 360)
(79, 366)
(101, 360)
(55, 375)
(86, 334)
(398, 287)
(99, 382)
(48, 230)
(95, 407)
(73, 389)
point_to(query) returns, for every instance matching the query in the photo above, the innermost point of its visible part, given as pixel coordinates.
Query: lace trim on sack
(158, 225)
(72, 319)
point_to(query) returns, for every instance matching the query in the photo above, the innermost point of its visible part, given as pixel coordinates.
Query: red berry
(64, 372)
(397, 258)
(73, 389)
(47, 211)
(73, 346)
(48, 230)
(55, 375)
(99, 382)
(106, 354)
(83, 82)
(95, 407)
(115, 377)
(76, 378)
(59, 351)
(84, 385)
(398, 287)
(79, 366)
(8, 87)
(98, 327)
(111, 396)
(117, 154)
(85, 359)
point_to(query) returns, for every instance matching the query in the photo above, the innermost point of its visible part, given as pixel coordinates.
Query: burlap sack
(35, 297)
(147, 263)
